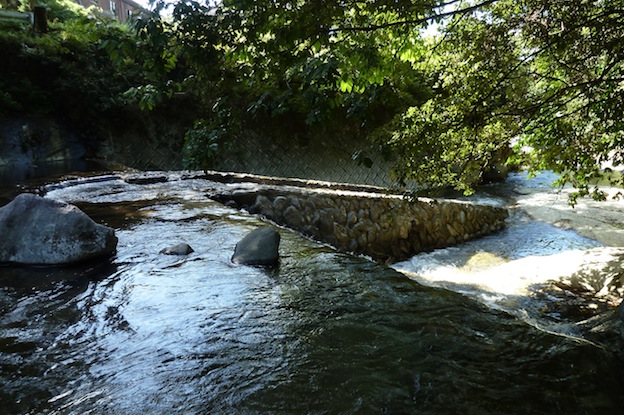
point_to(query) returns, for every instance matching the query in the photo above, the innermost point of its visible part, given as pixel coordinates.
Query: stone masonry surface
(361, 220)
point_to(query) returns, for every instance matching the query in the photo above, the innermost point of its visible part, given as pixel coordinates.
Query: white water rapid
(549, 259)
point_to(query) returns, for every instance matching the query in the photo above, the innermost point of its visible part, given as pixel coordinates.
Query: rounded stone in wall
(362, 240)
(462, 216)
(310, 231)
(451, 230)
(262, 205)
(341, 234)
(316, 218)
(319, 202)
(359, 228)
(351, 218)
(326, 222)
(404, 229)
(470, 214)
(340, 215)
(308, 210)
(353, 246)
(418, 211)
(427, 212)
(396, 251)
(297, 202)
(415, 242)
(280, 203)
(293, 217)
(437, 225)
(363, 214)
(406, 248)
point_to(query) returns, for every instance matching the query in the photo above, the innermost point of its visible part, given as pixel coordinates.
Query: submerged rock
(178, 249)
(259, 247)
(41, 231)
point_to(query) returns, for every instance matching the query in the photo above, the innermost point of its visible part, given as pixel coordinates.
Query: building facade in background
(120, 9)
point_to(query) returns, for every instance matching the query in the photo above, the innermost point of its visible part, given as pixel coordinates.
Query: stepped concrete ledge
(364, 220)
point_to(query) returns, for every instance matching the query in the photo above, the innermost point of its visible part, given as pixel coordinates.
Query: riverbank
(601, 221)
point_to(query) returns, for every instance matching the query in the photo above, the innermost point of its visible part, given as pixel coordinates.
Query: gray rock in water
(39, 231)
(179, 249)
(259, 247)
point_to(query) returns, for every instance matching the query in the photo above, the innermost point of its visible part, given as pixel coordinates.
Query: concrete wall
(386, 227)
(31, 147)
(28, 141)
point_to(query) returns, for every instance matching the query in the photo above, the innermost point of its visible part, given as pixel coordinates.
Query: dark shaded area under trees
(498, 77)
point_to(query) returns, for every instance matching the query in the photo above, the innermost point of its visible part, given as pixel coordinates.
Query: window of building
(113, 7)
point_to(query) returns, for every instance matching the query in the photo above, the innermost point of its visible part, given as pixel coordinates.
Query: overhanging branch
(413, 22)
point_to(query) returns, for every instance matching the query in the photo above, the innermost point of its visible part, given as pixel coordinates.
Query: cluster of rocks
(40, 231)
(385, 227)
(258, 247)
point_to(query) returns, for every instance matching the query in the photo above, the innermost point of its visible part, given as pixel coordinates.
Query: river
(323, 333)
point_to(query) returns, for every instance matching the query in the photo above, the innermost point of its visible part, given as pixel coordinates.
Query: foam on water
(325, 332)
(509, 269)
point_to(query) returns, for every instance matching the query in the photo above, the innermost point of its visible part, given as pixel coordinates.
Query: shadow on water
(22, 279)
(324, 332)
(36, 305)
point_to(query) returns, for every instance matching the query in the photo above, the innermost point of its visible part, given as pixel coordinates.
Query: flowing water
(323, 333)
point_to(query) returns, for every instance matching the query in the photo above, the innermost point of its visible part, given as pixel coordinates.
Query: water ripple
(322, 333)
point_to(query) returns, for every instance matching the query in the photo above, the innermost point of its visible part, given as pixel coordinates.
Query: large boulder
(39, 231)
(259, 247)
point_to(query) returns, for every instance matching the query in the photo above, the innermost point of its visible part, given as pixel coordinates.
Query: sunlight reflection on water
(324, 332)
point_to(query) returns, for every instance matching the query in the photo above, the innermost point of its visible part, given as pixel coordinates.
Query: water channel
(324, 333)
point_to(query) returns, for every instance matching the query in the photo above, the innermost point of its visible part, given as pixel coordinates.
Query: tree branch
(372, 28)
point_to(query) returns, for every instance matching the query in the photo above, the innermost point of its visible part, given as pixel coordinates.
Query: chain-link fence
(322, 159)
(157, 146)
(142, 154)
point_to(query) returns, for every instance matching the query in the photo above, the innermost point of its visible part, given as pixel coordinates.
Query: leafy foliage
(454, 136)
(203, 142)
(541, 74)
(545, 75)
(63, 72)
(499, 74)
(573, 115)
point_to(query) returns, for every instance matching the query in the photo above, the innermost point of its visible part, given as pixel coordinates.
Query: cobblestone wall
(385, 227)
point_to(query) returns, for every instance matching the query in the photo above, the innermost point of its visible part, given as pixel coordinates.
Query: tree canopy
(529, 74)
(450, 90)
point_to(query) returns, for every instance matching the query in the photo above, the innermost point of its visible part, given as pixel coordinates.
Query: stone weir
(361, 219)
